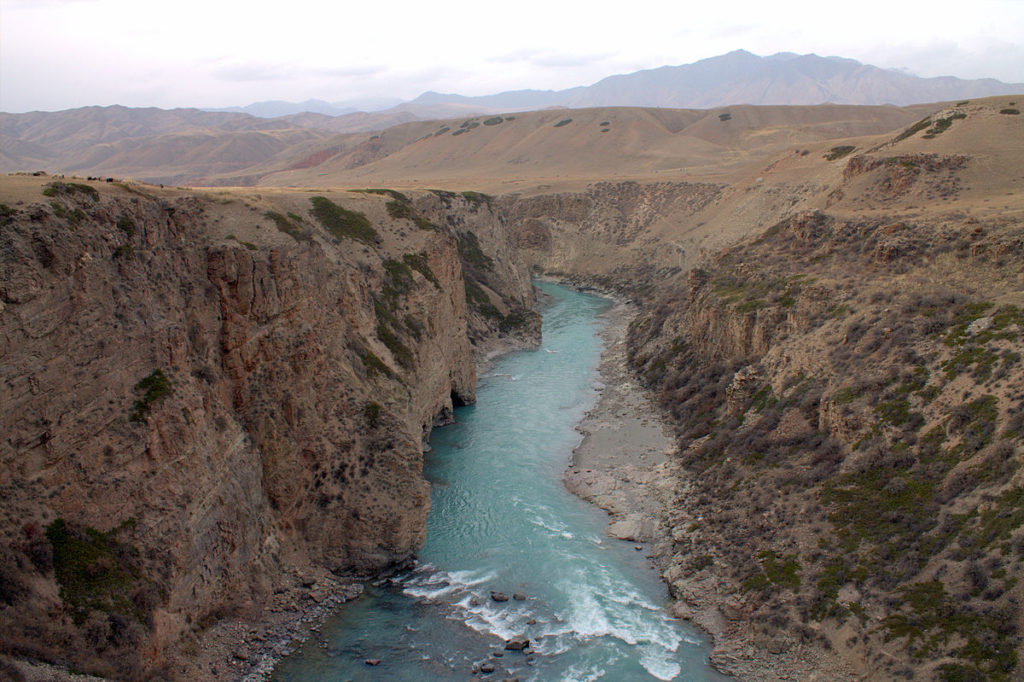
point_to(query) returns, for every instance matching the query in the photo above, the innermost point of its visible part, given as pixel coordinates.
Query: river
(501, 521)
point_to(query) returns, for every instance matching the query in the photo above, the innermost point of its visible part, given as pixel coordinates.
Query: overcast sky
(59, 54)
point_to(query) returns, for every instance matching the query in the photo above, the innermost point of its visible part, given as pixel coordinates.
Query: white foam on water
(557, 529)
(429, 583)
(659, 663)
(577, 674)
(505, 623)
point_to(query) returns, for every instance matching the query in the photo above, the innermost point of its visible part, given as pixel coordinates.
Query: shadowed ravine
(502, 521)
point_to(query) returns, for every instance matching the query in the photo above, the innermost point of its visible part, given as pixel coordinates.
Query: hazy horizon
(63, 54)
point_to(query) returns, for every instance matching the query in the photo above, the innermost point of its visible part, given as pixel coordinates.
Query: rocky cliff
(204, 395)
(849, 468)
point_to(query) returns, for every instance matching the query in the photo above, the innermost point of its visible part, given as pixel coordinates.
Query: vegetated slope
(212, 399)
(848, 395)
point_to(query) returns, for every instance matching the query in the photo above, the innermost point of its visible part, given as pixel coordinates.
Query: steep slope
(846, 391)
(210, 398)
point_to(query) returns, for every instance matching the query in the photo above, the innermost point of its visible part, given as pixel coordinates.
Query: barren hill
(527, 149)
(154, 144)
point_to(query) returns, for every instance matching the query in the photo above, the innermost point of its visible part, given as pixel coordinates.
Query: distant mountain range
(183, 145)
(738, 77)
(277, 108)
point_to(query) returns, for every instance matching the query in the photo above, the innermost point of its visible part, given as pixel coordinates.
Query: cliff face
(197, 403)
(612, 232)
(849, 468)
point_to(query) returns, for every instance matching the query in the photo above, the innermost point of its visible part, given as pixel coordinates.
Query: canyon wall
(205, 394)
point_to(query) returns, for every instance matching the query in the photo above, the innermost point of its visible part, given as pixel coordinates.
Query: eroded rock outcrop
(195, 407)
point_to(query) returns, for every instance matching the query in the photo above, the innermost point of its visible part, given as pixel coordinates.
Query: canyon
(219, 395)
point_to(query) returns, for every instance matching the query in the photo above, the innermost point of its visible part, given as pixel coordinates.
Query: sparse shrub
(725, 116)
(1012, 112)
(7, 214)
(286, 225)
(493, 121)
(372, 413)
(126, 225)
(394, 194)
(341, 222)
(373, 364)
(563, 122)
(57, 188)
(839, 152)
(401, 209)
(471, 253)
(95, 571)
(477, 198)
(418, 262)
(914, 129)
(154, 387)
(74, 217)
(480, 301)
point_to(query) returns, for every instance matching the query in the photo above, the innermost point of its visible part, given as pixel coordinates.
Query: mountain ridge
(737, 77)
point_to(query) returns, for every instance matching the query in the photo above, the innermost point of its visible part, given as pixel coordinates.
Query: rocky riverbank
(626, 465)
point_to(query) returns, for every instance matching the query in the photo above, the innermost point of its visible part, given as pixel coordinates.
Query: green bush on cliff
(399, 351)
(397, 282)
(373, 364)
(7, 214)
(95, 571)
(401, 209)
(126, 225)
(57, 188)
(418, 262)
(372, 413)
(287, 225)
(914, 129)
(839, 152)
(478, 300)
(74, 217)
(341, 222)
(477, 198)
(471, 253)
(394, 194)
(154, 387)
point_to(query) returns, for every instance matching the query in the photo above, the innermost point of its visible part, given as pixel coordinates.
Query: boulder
(517, 643)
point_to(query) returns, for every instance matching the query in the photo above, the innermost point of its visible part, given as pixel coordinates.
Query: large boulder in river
(517, 643)
(499, 596)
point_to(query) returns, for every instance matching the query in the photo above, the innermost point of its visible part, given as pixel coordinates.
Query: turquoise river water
(502, 521)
